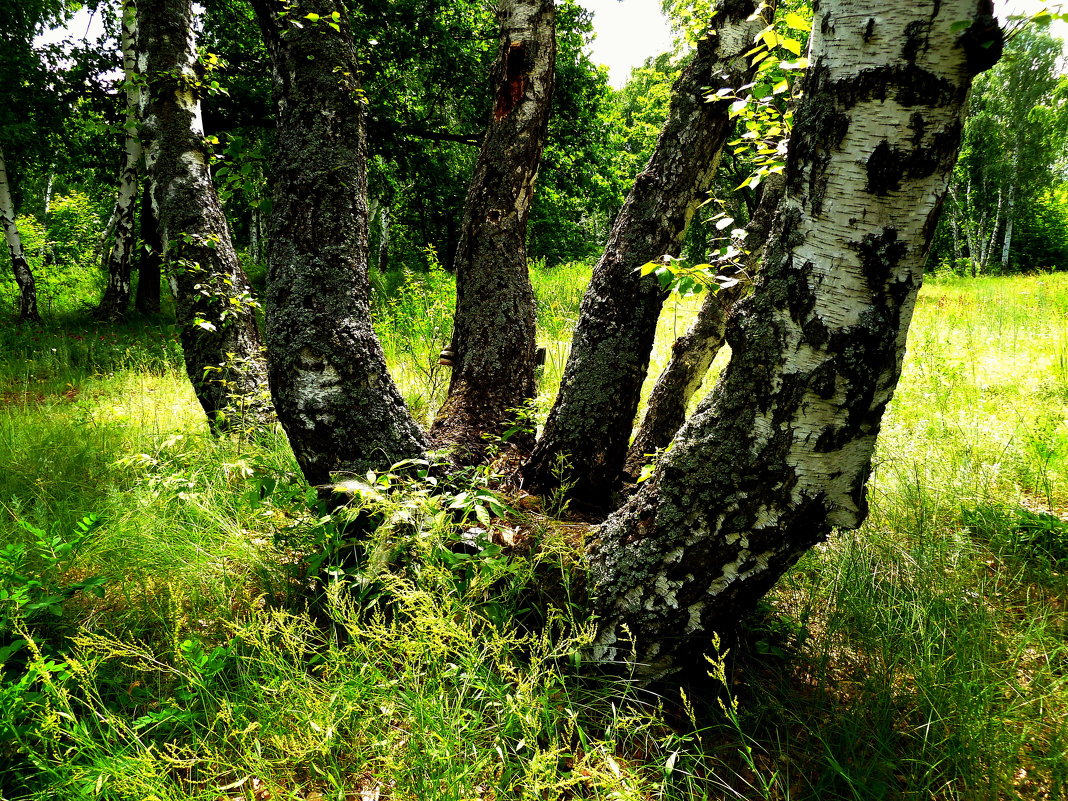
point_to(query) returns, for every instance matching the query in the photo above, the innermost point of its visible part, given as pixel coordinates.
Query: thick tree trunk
(150, 259)
(493, 338)
(220, 339)
(693, 352)
(334, 396)
(780, 451)
(118, 264)
(590, 424)
(23, 276)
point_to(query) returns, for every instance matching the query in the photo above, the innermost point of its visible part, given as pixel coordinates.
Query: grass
(924, 656)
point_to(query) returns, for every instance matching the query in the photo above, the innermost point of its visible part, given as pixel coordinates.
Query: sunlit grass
(924, 656)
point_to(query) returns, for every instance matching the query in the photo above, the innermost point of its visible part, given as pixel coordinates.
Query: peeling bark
(493, 335)
(119, 261)
(23, 275)
(693, 353)
(780, 452)
(220, 339)
(333, 392)
(590, 423)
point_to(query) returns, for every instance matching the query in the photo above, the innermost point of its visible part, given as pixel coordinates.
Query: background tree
(1014, 135)
(119, 262)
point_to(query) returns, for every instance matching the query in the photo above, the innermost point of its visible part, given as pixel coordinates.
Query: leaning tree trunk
(493, 338)
(780, 451)
(119, 261)
(23, 275)
(693, 353)
(220, 338)
(334, 396)
(590, 423)
(150, 259)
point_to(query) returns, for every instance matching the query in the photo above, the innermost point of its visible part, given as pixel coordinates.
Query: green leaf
(797, 22)
(312, 16)
(792, 45)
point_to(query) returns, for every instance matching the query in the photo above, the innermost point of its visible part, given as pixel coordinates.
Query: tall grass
(251, 644)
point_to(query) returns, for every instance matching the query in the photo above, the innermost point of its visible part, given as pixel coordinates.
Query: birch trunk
(780, 452)
(118, 265)
(693, 353)
(220, 339)
(334, 395)
(1006, 245)
(23, 275)
(493, 338)
(590, 424)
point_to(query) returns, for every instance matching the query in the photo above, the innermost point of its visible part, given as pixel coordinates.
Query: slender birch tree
(220, 339)
(334, 395)
(23, 275)
(118, 263)
(493, 340)
(780, 452)
(589, 427)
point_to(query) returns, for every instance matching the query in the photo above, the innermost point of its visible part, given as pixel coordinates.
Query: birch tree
(23, 275)
(780, 452)
(119, 260)
(493, 339)
(221, 342)
(589, 426)
(334, 395)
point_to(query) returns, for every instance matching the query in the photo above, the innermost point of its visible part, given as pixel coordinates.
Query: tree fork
(780, 452)
(590, 424)
(693, 353)
(493, 337)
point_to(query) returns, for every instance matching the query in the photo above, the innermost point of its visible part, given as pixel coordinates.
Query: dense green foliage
(1010, 179)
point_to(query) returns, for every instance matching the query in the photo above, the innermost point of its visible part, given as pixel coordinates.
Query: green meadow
(181, 619)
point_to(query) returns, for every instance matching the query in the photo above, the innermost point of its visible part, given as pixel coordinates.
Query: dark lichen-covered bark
(118, 265)
(334, 395)
(590, 423)
(220, 339)
(493, 339)
(23, 275)
(693, 353)
(780, 451)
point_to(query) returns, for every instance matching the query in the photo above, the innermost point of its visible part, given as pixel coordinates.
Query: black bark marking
(885, 169)
(514, 85)
(869, 30)
(917, 35)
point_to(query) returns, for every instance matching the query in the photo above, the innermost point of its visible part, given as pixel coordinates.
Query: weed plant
(251, 644)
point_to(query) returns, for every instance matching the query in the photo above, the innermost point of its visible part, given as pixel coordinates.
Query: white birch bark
(1006, 244)
(23, 275)
(119, 261)
(780, 451)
